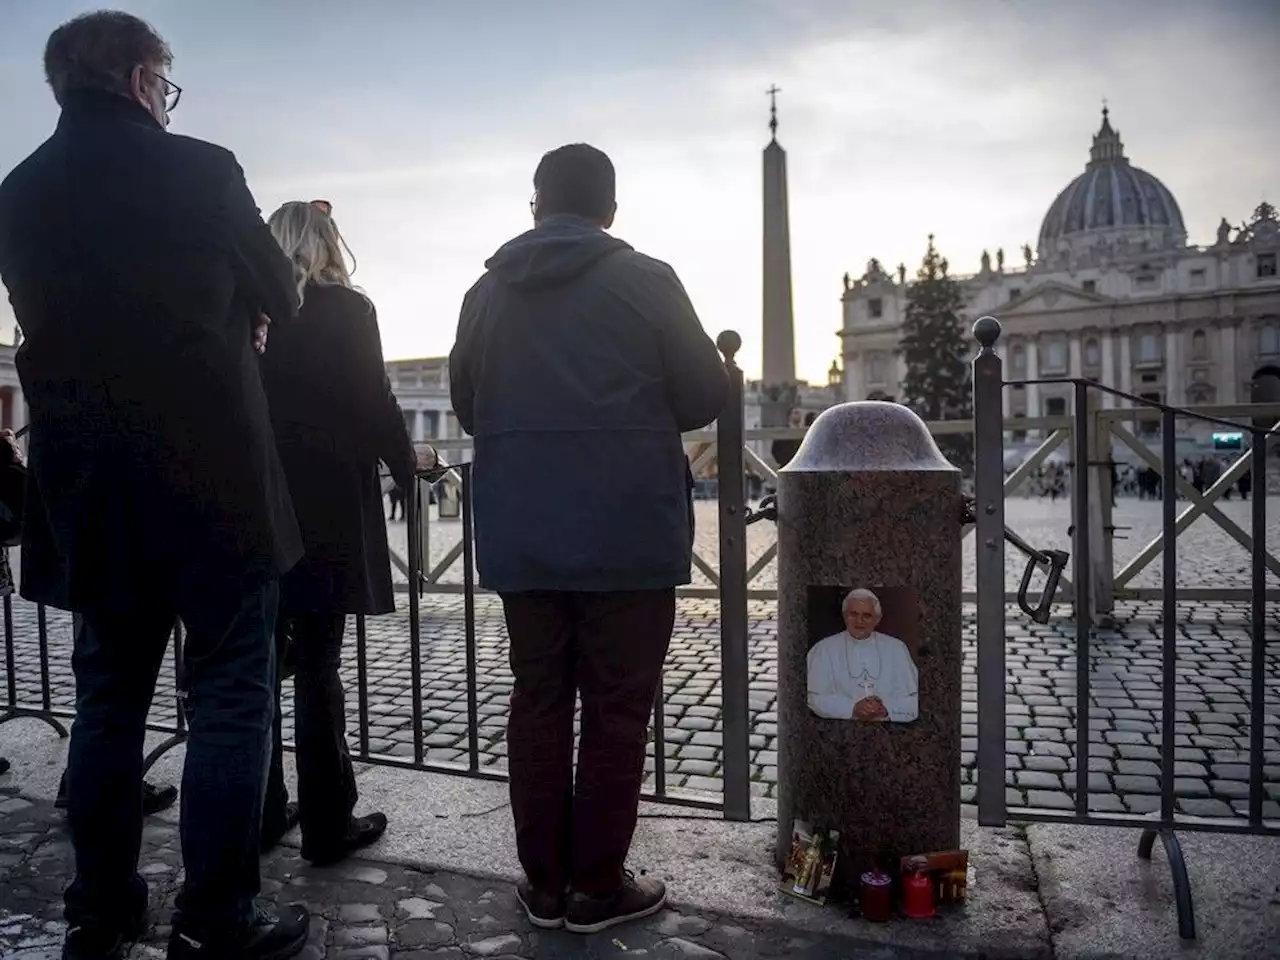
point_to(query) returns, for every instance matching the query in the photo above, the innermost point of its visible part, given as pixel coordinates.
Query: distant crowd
(1053, 479)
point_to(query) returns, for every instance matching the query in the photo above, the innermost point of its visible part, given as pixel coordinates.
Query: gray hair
(99, 50)
(861, 593)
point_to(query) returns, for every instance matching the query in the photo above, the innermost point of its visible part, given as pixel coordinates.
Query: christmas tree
(938, 383)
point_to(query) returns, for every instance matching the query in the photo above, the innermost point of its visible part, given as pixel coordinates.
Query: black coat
(136, 263)
(578, 364)
(335, 418)
(13, 487)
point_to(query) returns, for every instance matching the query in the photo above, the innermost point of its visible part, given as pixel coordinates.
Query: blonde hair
(310, 239)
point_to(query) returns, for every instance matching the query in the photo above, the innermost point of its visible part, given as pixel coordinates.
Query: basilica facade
(1113, 292)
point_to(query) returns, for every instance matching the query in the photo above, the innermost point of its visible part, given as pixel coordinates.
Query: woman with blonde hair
(335, 419)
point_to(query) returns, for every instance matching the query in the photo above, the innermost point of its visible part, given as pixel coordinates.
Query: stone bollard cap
(867, 436)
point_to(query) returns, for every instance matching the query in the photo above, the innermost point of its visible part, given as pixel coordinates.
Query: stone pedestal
(869, 502)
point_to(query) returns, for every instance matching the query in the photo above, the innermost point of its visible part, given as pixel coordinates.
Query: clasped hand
(870, 708)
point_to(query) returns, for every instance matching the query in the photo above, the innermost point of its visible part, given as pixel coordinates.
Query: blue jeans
(229, 673)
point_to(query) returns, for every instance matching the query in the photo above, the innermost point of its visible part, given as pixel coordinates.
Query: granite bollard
(869, 654)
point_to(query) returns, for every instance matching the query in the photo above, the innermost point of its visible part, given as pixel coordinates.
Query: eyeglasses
(324, 206)
(533, 204)
(172, 92)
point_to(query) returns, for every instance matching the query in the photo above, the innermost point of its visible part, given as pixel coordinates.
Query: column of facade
(1126, 363)
(1229, 372)
(1173, 388)
(853, 389)
(1033, 389)
(1075, 367)
(1108, 368)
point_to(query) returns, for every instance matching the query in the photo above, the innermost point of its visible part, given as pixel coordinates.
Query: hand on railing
(434, 471)
(767, 510)
(426, 456)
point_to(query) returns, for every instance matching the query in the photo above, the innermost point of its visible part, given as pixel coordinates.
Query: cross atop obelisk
(773, 92)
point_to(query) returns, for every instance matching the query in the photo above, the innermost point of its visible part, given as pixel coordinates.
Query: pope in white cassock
(860, 673)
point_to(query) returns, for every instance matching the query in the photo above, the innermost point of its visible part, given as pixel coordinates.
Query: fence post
(1101, 564)
(988, 489)
(422, 491)
(412, 532)
(733, 590)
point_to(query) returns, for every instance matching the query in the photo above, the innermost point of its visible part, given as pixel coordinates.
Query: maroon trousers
(609, 649)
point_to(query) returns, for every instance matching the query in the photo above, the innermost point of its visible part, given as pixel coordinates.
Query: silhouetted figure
(156, 490)
(578, 364)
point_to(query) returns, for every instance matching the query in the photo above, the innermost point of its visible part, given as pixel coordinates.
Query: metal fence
(1107, 428)
(1092, 588)
(735, 803)
(1090, 489)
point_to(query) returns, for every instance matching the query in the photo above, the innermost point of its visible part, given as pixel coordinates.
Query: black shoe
(154, 799)
(272, 935)
(273, 833)
(361, 832)
(545, 910)
(637, 898)
(4, 766)
(93, 941)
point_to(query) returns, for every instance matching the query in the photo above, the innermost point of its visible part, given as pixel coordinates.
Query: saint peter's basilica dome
(1111, 202)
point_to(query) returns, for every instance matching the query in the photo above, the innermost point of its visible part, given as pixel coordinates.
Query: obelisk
(779, 326)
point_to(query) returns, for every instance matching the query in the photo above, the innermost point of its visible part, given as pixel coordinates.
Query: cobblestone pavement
(362, 909)
(1212, 732)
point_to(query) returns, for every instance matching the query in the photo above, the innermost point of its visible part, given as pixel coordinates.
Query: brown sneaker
(545, 910)
(637, 898)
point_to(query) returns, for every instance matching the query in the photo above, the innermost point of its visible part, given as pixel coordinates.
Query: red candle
(876, 898)
(917, 896)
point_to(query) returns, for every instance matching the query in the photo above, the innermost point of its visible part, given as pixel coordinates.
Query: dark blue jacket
(578, 364)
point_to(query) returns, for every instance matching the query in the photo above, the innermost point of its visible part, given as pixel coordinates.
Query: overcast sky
(422, 121)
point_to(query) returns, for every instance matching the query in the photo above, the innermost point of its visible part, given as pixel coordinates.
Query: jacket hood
(556, 251)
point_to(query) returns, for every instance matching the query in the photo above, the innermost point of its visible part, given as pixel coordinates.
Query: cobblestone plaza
(1212, 696)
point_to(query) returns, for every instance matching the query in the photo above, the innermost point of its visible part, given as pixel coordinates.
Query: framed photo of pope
(863, 645)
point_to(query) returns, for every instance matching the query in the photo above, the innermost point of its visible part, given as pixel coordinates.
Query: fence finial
(986, 331)
(729, 344)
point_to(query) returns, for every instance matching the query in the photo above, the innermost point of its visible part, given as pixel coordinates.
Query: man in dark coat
(142, 275)
(578, 364)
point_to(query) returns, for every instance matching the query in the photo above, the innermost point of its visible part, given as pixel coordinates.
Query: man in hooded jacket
(578, 364)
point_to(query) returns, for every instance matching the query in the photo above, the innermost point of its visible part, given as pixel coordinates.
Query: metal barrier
(14, 709)
(991, 489)
(731, 447)
(736, 801)
(1058, 431)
